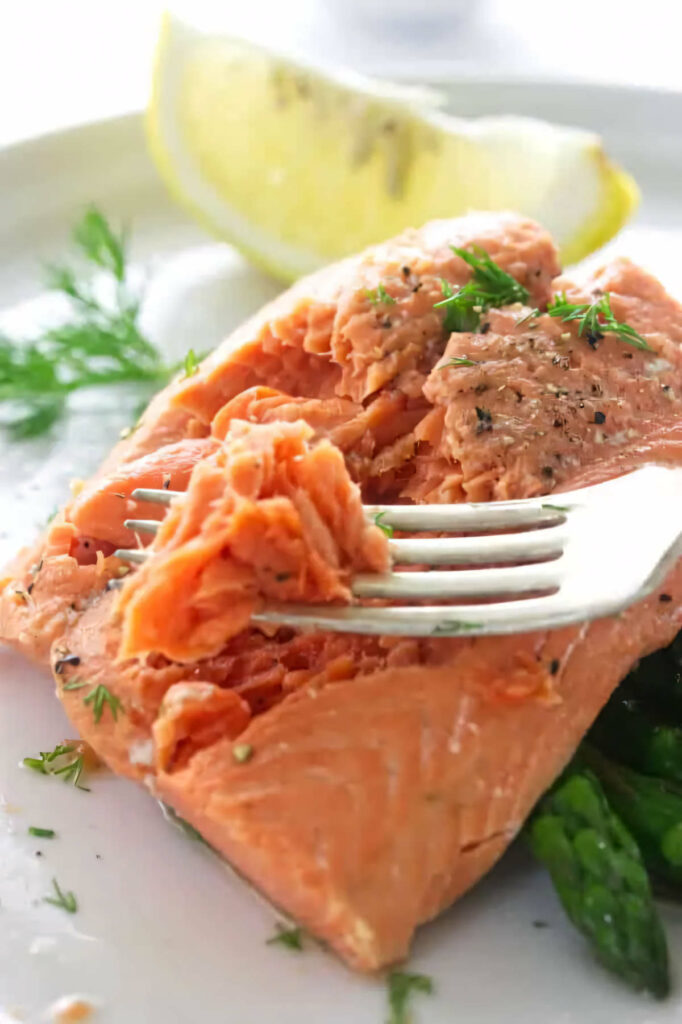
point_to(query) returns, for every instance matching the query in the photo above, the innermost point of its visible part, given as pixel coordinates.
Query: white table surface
(72, 61)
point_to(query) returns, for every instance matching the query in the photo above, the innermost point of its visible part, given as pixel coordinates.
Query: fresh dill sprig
(100, 696)
(595, 320)
(378, 296)
(384, 527)
(401, 985)
(52, 763)
(291, 938)
(489, 286)
(99, 343)
(65, 900)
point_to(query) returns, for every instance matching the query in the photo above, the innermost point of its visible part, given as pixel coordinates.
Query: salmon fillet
(362, 783)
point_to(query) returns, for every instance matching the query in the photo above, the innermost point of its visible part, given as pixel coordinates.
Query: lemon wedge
(297, 166)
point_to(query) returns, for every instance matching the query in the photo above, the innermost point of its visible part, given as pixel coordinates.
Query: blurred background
(67, 62)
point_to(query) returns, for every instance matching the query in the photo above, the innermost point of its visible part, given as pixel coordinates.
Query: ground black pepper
(485, 420)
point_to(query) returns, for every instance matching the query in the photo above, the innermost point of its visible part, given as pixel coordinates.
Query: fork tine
(437, 522)
(454, 518)
(516, 548)
(433, 620)
(459, 583)
(138, 555)
(141, 525)
(486, 550)
(159, 496)
(469, 518)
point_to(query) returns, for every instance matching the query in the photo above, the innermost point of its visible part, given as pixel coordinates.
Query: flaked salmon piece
(194, 716)
(262, 669)
(372, 437)
(101, 508)
(378, 342)
(267, 405)
(276, 346)
(364, 782)
(266, 515)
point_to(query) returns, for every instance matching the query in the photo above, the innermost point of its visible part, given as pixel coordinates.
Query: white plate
(165, 933)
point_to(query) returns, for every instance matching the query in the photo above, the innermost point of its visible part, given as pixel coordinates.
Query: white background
(66, 61)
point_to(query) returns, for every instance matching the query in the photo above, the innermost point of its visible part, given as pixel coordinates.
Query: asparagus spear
(651, 808)
(629, 731)
(601, 881)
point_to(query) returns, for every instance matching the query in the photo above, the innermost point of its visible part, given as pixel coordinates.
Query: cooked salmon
(361, 782)
(265, 516)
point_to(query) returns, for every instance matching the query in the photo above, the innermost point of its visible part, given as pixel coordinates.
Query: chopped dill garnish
(401, 985)
(75, 684)
(72, 772)
(458, 361)
(191, 363)
(595, 320)
(384, 527)
(451, 627)
(100, 696)
(52, 763)
(242, 752)
(378, 296)
(42, 763)
(489, 286)
(65, 900)
(291, 938)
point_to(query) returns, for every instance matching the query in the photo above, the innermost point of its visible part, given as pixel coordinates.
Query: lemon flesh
(297, 167)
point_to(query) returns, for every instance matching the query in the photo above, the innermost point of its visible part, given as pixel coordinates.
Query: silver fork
(587, 554)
